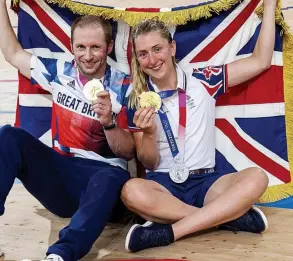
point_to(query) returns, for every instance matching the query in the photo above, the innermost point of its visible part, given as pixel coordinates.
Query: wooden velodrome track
(27, 228)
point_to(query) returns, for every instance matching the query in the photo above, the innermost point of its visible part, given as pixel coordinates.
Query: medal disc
(179, 173)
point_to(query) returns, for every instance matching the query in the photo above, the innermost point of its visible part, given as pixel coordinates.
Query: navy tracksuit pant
(85, 190)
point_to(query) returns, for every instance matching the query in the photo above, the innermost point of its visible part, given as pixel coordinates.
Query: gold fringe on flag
(132, 18)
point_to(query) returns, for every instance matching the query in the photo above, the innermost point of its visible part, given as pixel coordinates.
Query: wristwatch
(112, 125)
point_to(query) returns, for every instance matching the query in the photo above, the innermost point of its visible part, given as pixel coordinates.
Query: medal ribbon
(182, 120)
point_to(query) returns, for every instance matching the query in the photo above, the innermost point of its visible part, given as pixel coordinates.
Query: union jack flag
(250, 119)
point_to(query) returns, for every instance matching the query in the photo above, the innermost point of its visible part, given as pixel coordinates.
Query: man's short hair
(93, 20)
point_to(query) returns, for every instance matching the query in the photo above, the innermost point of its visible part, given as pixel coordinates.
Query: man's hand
(144, 119)
(103, 108)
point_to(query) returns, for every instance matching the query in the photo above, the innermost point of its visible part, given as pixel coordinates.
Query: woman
(182, 192)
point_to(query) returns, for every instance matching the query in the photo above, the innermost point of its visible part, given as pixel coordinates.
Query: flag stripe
(230, 159)
(35, 100)
(25, 86)
(251, 110)
(265, 88)
(251, 152)
(202, 34)
(63, 25)
(50, 41)
(49, 23)
(211, 49)
(256, 143)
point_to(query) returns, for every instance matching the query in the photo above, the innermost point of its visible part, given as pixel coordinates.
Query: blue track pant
(85, 190)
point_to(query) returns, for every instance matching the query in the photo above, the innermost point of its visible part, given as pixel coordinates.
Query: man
(83, 181)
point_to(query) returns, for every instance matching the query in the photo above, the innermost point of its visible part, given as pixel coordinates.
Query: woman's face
(155, 54)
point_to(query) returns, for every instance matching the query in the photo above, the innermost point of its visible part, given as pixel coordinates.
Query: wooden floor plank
(27, 229)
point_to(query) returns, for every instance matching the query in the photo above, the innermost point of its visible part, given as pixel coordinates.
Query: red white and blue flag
(250, 119)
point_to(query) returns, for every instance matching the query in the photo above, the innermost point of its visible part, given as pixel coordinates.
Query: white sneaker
(51, 257)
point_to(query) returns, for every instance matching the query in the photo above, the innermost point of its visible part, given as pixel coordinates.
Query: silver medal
(179, 173)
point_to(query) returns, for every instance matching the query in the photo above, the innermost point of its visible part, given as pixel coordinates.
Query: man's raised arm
(9, 45)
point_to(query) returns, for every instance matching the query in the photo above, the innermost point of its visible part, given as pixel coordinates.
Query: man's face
(90, 50)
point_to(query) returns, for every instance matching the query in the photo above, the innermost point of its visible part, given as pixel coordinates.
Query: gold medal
(148, 99)
(92, 88)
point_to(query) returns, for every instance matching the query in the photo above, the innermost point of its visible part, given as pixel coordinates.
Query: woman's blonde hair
(138, 76)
